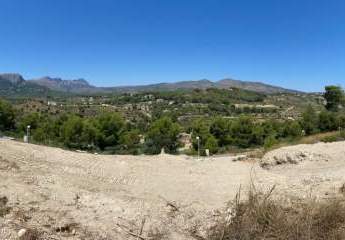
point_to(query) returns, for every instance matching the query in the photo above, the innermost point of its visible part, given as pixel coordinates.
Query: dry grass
(261, 217)
(157, 234)
(31, 234)
(312, 139)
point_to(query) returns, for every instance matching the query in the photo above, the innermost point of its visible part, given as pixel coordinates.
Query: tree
(110, 127)
(309, 120)
(242, 131)
(89, 135)
(163, 133)
(72, 132)
(258, 134)
(221, 129)
(45, 132)
(334, 96)
(341, 121)
(327, 121)
(130, 139)
(40, 135)
(7, 116)
(202, 130)
(211, 144)
(292, 129)
(32, 119)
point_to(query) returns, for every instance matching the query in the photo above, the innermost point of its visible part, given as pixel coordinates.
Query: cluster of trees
(313, 122)
(109, 132)
(105, 132)
(245, 132)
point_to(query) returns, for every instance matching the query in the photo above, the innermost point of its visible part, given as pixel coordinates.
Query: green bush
(329, 139)
(270, 141)
(211, 144)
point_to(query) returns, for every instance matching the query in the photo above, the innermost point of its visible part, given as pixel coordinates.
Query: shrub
(211, 144)
(270, 141)
(329, 139)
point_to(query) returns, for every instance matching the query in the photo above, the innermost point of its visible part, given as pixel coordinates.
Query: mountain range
(16, 83)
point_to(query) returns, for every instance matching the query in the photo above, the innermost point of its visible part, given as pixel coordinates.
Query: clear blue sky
(292, 43)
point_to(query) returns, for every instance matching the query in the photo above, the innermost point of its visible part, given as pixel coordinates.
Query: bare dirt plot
(80, 195)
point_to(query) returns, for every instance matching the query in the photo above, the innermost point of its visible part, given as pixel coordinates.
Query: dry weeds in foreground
(261, 217)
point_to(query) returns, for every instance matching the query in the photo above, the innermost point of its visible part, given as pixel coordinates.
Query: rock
(289, 155)
(22, 232)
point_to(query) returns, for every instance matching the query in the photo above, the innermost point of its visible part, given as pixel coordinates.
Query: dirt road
(104, 196)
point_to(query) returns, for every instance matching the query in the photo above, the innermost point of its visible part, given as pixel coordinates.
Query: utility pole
(28, 132)
(198, 138)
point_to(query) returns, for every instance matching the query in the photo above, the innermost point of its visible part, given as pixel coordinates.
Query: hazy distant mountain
(200, 84)
(10, 79)
(15, 82)
(203, 84)
(58, 84)
(14, 85)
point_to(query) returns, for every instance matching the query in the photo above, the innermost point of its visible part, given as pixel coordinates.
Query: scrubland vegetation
(112, 132)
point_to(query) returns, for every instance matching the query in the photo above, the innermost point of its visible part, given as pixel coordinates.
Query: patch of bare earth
(62, 194)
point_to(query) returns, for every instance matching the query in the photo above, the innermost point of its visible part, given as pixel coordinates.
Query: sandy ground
(70, 195)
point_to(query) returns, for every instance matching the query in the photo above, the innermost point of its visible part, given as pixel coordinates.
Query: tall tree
(7, 116)
(72, 132)
(163, 133)
(309, 120)
(221, 129)
(109, 126)
(334, 96)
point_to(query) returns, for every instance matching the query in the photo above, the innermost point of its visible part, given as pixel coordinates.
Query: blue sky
(297, 44)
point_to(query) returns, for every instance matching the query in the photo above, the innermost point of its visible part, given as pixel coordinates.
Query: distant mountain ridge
(11, 78)
(14, 85)
(204, 83)
(58, 84)
(81, 86)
